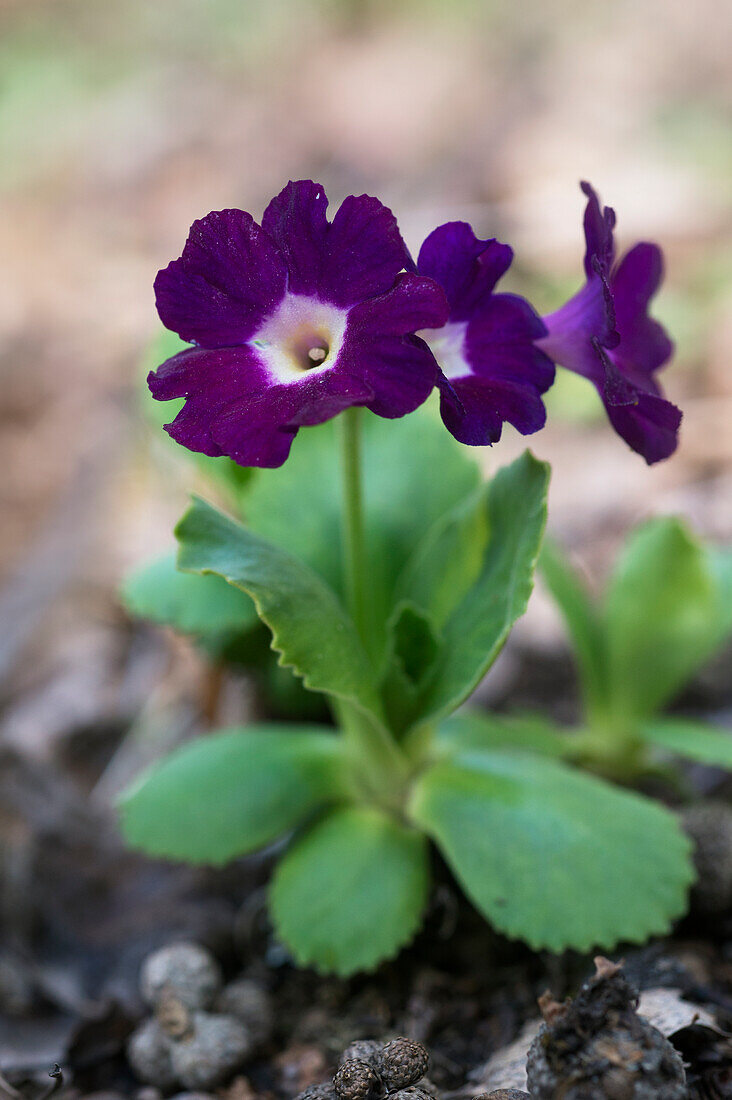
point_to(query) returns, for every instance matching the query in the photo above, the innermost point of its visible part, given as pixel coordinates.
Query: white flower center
(302, 335)
(447, 344)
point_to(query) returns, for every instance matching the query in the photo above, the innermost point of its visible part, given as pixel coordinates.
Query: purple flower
(293, 321)
(604, 333)
(491, 369)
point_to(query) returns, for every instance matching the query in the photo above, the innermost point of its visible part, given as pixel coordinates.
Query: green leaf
(583, 622)
(412, 651)
(447, 561)
(415, 644)
(514, 504)
(478, 730)
(193, 604)
(551, 855)
(351, 891)
(661, 617)
(298, 506)
(694, 740)
(720, 565)
(310, 628)
(230, 793)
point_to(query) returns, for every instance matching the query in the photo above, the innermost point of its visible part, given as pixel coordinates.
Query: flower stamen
(316, 355)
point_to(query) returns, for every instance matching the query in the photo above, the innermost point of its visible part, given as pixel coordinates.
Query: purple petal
(192, 427)
(399, 371)
(297, 223)
(365, 252)
(499, 344)
(246, 432)
(640, 415)
(215, 382)
(649, 427)
(474, 409)
(598, 226)
(413, 303)
(313, 400)
(572, 329)
(465, 266)
(219, 371)
(228, 278)
(380, 349)
(357, 256)
(644, 345)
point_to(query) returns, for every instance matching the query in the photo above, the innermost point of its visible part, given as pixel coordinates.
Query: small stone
(666, 1010)
(148, 1052)
(363, 1050)
(402, 1062)
(355, 1080)
(217, 1047)
(250, 1003)
(185, 970)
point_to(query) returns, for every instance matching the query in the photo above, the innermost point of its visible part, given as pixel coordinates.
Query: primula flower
(491, 370)
(605, 334)
(293, 321)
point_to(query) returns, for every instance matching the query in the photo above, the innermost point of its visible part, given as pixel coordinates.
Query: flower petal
(400, 371)
(297, 223)
(413, 303)
(650, 427)
(365, 252)
(356, 256)
(214, 382)
(572, 329)
(219, 373)
(644, 345)
(467, 267)
(639, 413)
(227, 279)
(314, 400)
(192, 427)
(499, 344)
(598, 226)
(474, 409)
(246, 432)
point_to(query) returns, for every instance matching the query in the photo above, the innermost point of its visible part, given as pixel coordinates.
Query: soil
(79, 914)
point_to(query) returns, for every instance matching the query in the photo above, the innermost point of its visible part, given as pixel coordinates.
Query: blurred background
(121, 121)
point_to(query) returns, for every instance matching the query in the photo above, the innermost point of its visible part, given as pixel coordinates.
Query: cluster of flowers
(299, 318)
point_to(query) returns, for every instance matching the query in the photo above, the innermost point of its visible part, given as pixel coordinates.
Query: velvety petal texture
(229, 277)
(490, 368)
(604, 333)
(293, 321)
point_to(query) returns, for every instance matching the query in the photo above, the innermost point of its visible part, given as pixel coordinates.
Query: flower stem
(353, 527)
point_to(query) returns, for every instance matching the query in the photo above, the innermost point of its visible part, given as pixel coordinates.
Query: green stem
(382, 765)
(381, 770)
(353, 527)
(612, 751)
